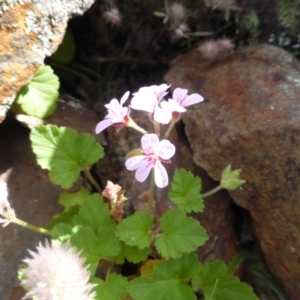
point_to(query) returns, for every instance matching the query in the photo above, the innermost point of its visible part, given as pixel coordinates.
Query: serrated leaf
(114, 288)
(132, 253)
(38, 98)
(92, 248)
(110, 244)
(66, 50)
(147, 288)
(217, 284)
(95, 213)
(180, 234)
(65, 217)
(64, 152)
(184, 267)
(135, 230)
(185, 191)
(61, 233)
(69, 199)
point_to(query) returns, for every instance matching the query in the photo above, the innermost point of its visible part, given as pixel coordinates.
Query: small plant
(92, 235)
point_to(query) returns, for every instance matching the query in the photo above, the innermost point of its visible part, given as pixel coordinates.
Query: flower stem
(171, 126)
(133, 125)
(151, 191)
(31, 227)
(92, 180)
(156, 128)
(213, 191)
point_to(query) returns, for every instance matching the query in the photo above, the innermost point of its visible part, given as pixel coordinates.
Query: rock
(217, 218)
(251, 118)
(31, 193)
(30, 30)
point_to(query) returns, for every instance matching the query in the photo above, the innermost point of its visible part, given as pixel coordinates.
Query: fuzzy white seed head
(181, 32)
(112, 16)
(56, 273)
(177, 12)
(213, 49)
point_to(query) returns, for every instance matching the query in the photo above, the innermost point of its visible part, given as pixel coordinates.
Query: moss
(289, 12)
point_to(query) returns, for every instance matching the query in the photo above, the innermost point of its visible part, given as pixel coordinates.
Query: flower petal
(113, 105)
(192, 99)
(144, 169)
(124, 98)
(103, 125)
(166, 149)
(160, 175)
(160, 90)
(144, 100)
(132, 163)
(149, 142)
(175, 106)
(179, 94)
(162, 115)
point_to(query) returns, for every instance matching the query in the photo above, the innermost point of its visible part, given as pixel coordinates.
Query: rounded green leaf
(180, 234)
(135, 230)
(64, 152)
(38, 98)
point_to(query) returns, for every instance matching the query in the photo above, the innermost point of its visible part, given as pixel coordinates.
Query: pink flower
(155, 152)
(177, 105)
(150, 99)
(181, 100)
(118, 116)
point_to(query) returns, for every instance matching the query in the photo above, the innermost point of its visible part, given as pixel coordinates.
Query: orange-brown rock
(30, 30)
(251, 119)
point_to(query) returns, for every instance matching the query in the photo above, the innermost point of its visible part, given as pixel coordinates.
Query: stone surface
(31, 194)
(251, 119)
(217, 218)
(30, 30)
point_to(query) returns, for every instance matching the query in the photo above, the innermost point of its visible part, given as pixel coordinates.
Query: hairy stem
(31, 227)
(92, 180)
(151, 191)
(213, 191)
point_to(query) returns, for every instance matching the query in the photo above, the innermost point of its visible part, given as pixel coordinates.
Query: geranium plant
(93, 235)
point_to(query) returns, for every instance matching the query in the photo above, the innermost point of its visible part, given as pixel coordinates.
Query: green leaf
(64, 152)
(95, 213)
(185, 191)
(114, 288)
(235, 263)
(66, 50)
(132, 253)
(61, 233)
(65, 217)
(68, 199)
(38, 98)
(136, 230)
(217, 284)
(230, 179)
(169, 280)
(185, 267)
(180, 234)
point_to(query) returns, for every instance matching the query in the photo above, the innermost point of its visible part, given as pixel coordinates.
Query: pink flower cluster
(154, 152)
(149, 99)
